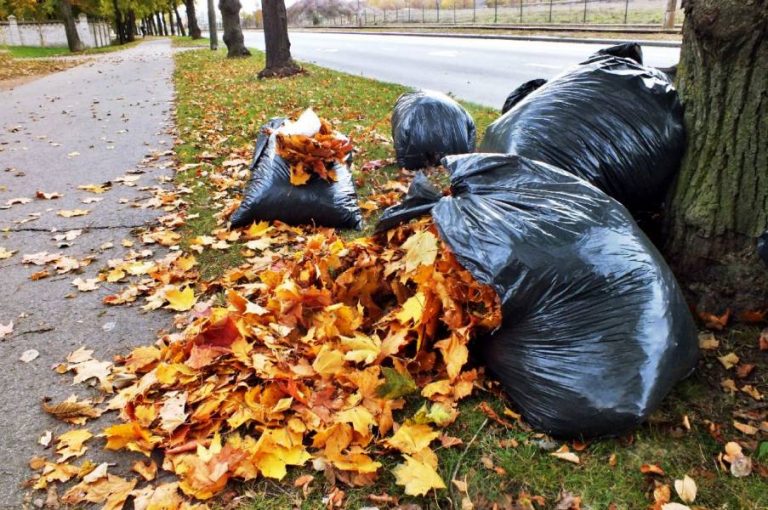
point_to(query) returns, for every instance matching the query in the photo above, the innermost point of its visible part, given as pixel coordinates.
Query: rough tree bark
(719, 204)
(130, 26)
(233, 33)
(179, 24)
(278, 46)
(119, 27)
(194, 28)
(73, 40)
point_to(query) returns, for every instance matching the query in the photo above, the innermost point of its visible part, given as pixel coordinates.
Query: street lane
(479, 70)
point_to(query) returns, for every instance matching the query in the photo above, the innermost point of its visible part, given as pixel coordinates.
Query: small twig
(461, 458)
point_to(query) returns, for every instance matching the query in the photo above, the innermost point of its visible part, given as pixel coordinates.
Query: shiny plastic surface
(520, 92)
(419, 200)
(609, 120)
(427, 125)
(269, 194)
(596, 331)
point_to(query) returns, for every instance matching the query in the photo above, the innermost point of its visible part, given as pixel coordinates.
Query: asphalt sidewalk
(103, 120)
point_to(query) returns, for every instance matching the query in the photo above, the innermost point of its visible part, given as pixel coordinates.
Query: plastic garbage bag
(269, 194)
(520, 92)
(427, 125)
(596, 330)
(609, 120)
(421, 196)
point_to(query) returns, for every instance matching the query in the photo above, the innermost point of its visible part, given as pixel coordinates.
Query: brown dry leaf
(745, 428)
(48, 196)
(567, 501)
(69, 213)
(651, 469)
(73, 411)
(563, 453)
(111, 490)
(762, 341)
(147, 470)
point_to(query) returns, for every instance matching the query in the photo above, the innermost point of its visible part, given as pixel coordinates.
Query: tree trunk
(719, 204)
(233, 33)
(171, 22)
(194, 28)
(119, 28)
(130, 26)
(179, 24)
(278, 46)
(213, 33)
(73, 40)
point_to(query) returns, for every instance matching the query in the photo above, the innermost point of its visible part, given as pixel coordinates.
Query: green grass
(57, 51)
(36, 52)
(222, 98)
(187, 42)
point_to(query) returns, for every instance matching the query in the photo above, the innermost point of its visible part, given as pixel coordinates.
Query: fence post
(521, 12)
(550, 10)
(495, 11)
(669, 14)
(585, 12)
(474, 11)
(14, 37)
(626, 11)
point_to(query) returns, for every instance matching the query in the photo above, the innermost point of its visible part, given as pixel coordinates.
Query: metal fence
(506, 12)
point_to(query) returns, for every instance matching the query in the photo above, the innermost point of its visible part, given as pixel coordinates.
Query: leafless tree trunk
(278, 46)
(719, 205)
(73, 40)
(194, 28)
(233, 32)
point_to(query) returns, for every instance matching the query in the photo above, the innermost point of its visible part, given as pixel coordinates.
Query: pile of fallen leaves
(307, 361)
(11, 67)
(315, 154)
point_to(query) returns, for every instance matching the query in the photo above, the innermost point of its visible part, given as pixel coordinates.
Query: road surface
(480, 70)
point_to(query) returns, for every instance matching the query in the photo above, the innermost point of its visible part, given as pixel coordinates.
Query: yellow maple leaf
(328, 361)
(412, 309)
(180, 300)
(418, 478)
(72, 444)
(361, 348)
(420, 249)
(411, 438)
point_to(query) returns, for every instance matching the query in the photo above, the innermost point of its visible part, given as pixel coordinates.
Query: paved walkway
(87, 125)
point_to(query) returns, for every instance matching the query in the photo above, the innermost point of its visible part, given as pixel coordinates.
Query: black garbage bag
(269, 194)
(427, 125)
(609, 120)
(421, 197)
(630, 50)
(520, 92)
(595, 329)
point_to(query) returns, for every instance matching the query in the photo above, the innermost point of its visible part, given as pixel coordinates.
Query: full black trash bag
(427, 125)
(520, 92)
(269, 194)
(610, 120)
(421, 197)
(595, 329)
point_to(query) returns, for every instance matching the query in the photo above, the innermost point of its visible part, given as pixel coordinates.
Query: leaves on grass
(686, 489)
(417, 477)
